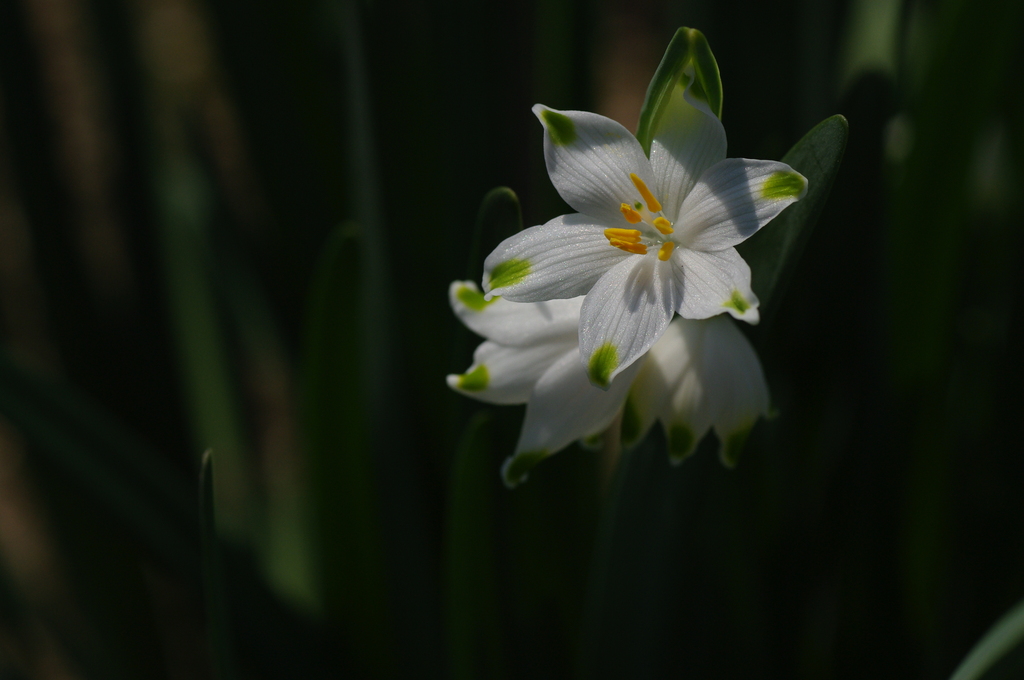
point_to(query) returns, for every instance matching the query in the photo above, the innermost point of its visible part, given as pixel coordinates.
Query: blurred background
(231, 226)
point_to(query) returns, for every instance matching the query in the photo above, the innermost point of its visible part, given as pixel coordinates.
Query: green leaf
(217, 627)
(474, 627)
(342, 485)
(998, 642)
(687, 47)
(211, 393)
(772, 252)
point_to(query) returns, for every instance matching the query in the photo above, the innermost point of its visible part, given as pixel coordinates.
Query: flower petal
(560, 259)
(713, 283)
(507, 375)
(514, 323)
(688, 413)
(625, 313)
(645, 401)
(563, 407)
(688, 140)
(734, 199)
(735, 383)
(589, 159)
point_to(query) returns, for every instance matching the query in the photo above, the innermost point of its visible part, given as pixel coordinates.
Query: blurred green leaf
(218, 630)
(474, 629)
(211, 392)
(688, 47)
(499, 217)
(997, 643)
(110, 466)
(343, 492)
(774, 250)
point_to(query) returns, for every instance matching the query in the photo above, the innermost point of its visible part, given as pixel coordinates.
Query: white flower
(531, 355)
(652, 236)
(699, 375)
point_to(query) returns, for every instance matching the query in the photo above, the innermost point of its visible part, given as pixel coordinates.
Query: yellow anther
(663, 225)
(627, 235)
(632, 216)
(665, 251)
(652, 202)
(629, 247)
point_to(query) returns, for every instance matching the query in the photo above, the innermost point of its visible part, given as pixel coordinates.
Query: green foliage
(218, 626)
(342, 486)
(473, 588)
(1006, 635)
(687, 48)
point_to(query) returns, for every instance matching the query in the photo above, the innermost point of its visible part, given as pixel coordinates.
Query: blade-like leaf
(772, 251)
(218, 630)
(998, 642)
(342, 484)
(472, 579)
(649, 596)
(211, 391)
(688, 47)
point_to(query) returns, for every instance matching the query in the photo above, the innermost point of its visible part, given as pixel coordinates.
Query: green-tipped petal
(734, 379)
(511, 323)
(652, 388)
(560, 128)
(735, 198)
(474, 381)
(471, 298)
(564, 406)
(731, 445)
(715, 379)
(681, 442)
(564, 258)
(509, 272)
(589, 158)
(602, 363)
(716, 282)
(502, 374)
(627, 310)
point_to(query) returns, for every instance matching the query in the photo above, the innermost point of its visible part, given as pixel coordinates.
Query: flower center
(656, 225)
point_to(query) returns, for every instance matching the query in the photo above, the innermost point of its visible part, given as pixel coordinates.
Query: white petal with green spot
(729, 202)
(627, 309)
(592, 171)
(566, 256)
(511, 323)
(715, 282)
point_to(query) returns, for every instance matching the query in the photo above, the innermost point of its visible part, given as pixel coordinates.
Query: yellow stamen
(665, 251)
(637, 248)
(627, 235)
(632, 216)
(652, 202)
(663, 225)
